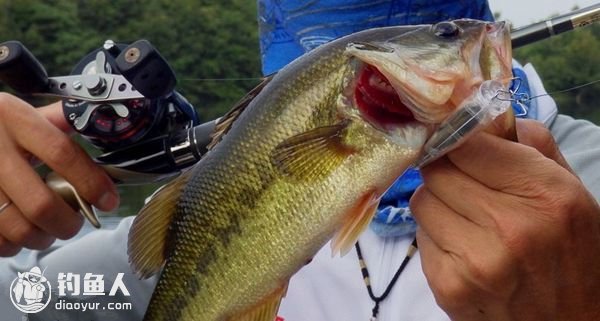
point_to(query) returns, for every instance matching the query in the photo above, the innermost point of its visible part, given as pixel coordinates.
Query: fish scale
(247, 178)
(298, 165)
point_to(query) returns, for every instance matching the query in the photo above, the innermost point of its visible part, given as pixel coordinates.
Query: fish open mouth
(424, 74)
(378, 101)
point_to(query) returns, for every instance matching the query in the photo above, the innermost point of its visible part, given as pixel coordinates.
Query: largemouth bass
(305, 158)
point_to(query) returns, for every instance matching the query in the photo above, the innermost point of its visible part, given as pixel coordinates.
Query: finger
(54, 114)
(449, 231)
(450, 185)
(449, 289)
(533, 133)
(478, 251)
(504, 165)
(17, 230)
(432, 260)
(63, 155)
(496, 212)
(39, 205)
(454, 288)
(7, 248)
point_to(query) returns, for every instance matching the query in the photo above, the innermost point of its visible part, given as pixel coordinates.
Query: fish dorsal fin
(225, 122)
(266, 310)
(355, 223)
(147, 241)
(312, 154)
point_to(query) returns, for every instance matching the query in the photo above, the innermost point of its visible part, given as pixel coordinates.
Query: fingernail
(108, 201)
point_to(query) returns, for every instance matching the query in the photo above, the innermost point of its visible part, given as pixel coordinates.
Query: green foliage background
(208, 40)
(200, 39)
(566, 61)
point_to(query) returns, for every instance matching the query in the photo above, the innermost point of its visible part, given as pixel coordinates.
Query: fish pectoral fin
(148, 234)
(266, 310)
(355, 223)
(312, 154)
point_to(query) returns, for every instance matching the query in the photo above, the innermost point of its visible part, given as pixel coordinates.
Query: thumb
(533, 133)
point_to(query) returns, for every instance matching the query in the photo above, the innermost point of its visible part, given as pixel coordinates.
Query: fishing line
(523, 98)
(569, 89)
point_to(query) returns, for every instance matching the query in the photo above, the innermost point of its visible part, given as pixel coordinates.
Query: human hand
(37, 215)
(508, 232)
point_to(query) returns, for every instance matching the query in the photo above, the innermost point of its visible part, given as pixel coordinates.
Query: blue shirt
(288, 29)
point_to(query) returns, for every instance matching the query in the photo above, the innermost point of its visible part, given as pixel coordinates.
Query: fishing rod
(555, 26)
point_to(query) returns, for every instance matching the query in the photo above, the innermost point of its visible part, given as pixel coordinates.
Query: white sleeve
(579, 142)
(101, 252)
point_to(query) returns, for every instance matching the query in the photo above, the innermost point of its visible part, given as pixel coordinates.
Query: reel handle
(149, 73)
(20, 70)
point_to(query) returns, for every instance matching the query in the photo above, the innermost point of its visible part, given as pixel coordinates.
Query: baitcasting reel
(122, 100)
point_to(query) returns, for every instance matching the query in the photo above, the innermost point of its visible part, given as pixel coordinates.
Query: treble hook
(519, 100)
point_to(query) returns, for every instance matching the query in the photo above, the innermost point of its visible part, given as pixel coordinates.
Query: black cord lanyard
(365, 272)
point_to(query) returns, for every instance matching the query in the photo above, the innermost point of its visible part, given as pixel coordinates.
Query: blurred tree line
(567, 61)
(202, 40)
(213, 48)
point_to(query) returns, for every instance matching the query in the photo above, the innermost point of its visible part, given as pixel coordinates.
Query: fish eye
(446, 29)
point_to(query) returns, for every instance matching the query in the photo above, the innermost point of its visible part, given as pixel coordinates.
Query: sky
(524, 12)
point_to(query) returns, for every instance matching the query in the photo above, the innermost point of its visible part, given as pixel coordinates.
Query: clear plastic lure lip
(477, 111)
